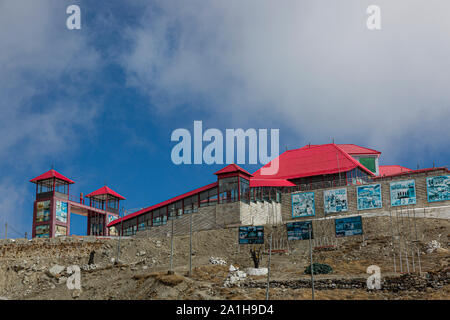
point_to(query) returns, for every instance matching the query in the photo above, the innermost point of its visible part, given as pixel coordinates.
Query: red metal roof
(164, 203)
(394, 169)
(413, 172)
(232, 168)
(312, 161)
(105, 190)
(351, 149)
(51, 174)
(270, 183)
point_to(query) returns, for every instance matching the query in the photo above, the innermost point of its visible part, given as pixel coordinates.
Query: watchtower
(108, 201)
(54, 205)
(51, 214)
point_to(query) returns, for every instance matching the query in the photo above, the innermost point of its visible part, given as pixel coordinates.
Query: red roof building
(392, 170)
(315, 162)
(50, 175)
(104, 192)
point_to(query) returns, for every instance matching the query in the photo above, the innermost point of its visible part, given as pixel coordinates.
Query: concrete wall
(221, 216)
(261, 213)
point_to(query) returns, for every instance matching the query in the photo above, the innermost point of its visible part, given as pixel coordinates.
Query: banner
(438, 188)
(403, 193)
(299, 230)
(61, 211)
(251, 235)
(351, 226)
(369, 197)
(43, 231)
(335, 200)
(303, 205)
(60, 231)
(43, 211)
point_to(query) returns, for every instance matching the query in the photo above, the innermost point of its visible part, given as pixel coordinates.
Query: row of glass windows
(228, 193)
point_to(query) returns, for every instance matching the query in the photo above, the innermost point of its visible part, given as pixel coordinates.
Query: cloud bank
(311, 66)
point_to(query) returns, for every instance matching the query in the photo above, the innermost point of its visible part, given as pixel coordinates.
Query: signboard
(299, 230)
(43, 231)
(61, 211)
(111, 218)
(438, 188)
(369, 197)
(60, 231)
(350, 226)
(303, 205)
(335, 200)
(251, 235)
(43, 211)
(403, 193)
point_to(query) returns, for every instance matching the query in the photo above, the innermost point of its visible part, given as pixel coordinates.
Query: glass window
(160, 216)
(208, 197)
(228, 188)
(245, 190)
(191, 204)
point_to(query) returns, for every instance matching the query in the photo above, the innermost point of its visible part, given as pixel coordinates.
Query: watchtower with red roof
(54, 205)
(51, 215)
(107, 200)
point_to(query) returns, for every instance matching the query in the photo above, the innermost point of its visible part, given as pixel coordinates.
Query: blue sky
(100, 103)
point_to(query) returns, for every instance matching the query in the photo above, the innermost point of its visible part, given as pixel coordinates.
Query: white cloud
(45, 71)
(311, 65)
(40, 58)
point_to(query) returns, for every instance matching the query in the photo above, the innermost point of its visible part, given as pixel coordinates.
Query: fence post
(171, 250)
(268, 268)
(311, 268)
(190, 245)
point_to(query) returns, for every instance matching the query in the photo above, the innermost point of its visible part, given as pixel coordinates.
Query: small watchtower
(108, 201)
(51, 216)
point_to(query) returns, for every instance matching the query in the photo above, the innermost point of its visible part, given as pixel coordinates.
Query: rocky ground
(38, 269)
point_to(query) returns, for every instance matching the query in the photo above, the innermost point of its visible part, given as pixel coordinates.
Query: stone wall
(421, 199)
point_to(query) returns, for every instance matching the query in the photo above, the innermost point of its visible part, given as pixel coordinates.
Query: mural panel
(251, 235)
(335, 200)
(303, 205)
(369, 197)
(299, 230)
(350, 226)
(438, 188)
(43, 211)
(403, 193)
(61, 211)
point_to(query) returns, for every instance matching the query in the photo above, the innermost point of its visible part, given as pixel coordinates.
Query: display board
(369, 197)
(61, 211)
(299, 230)
(60, 231)
(403, 193)
(303, 204)
(438, 188)
(335, 201)
(251, 235)
(350, 226)
(43, 211)
(43, 231)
